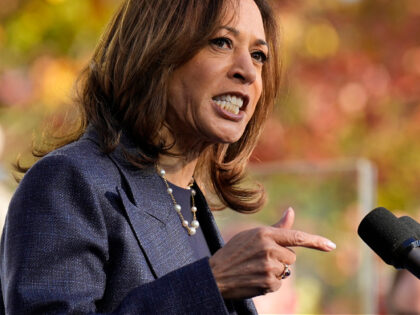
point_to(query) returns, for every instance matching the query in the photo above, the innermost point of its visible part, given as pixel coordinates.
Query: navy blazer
(87, 232)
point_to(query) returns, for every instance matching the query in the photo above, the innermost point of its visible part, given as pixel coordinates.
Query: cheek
(176, 101)
(259, 86)
(257, 94)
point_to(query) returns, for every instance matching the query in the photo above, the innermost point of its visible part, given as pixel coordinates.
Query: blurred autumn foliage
(351, 89)
(43, 46)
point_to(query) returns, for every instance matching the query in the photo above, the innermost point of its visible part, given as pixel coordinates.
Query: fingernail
(330, 245)
(285, 213)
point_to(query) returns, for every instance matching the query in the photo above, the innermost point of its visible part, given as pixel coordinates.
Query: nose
(243, 68)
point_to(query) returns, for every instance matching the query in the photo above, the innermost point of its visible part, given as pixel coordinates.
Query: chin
(226, 134)
(228, 139)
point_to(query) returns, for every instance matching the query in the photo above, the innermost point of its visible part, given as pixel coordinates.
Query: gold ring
(286, 272)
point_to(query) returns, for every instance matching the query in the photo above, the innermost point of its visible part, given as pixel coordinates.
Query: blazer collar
(138, 183)
(150, 212)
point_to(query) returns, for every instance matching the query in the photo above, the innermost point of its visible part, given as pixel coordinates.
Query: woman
(174, 97)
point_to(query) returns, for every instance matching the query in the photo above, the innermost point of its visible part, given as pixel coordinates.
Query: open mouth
(231, 103)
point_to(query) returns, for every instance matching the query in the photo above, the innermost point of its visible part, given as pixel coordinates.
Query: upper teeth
(230, 103)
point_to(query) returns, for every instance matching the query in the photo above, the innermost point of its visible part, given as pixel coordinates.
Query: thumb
(287, 220)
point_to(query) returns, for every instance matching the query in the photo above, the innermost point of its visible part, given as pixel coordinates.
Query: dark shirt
(197, 241)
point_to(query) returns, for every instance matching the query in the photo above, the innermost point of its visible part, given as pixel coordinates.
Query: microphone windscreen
(384, 233)
(412, 225)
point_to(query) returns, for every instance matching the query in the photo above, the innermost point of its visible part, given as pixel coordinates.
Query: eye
(221, 42)
(259, 56)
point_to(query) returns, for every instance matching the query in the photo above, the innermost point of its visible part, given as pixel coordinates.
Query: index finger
(295, 238)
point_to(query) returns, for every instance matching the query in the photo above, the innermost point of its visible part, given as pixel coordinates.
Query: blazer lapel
(160, 235)
(207, 223)
(153, 219)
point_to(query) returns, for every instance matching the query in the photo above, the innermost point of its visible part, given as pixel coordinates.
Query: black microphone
(395, 240)
(412, 224)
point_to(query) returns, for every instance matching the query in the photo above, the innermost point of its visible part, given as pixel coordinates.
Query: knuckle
(262, 233)
(299, 238)
(320, 242)
(264, 246)
(267, 268)
(267, 250)
(271, 250)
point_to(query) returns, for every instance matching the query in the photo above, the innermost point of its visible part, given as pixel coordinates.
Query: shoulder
(81, 160)
(74, 175)
(83, 153)
(75, 181)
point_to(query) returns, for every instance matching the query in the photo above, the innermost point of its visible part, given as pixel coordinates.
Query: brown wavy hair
(125, 88)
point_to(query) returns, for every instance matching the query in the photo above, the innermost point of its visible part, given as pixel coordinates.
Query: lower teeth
(229, 108)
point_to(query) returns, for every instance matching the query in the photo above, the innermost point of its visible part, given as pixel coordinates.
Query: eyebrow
(236, 33)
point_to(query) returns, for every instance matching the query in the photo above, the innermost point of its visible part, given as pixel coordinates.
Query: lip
(227, 115)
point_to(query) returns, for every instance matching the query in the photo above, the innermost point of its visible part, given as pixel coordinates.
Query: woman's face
(213, 96)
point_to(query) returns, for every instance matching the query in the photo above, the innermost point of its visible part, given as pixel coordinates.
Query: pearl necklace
(192, 229)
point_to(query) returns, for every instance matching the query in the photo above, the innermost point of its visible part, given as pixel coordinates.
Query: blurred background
(344, 136)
